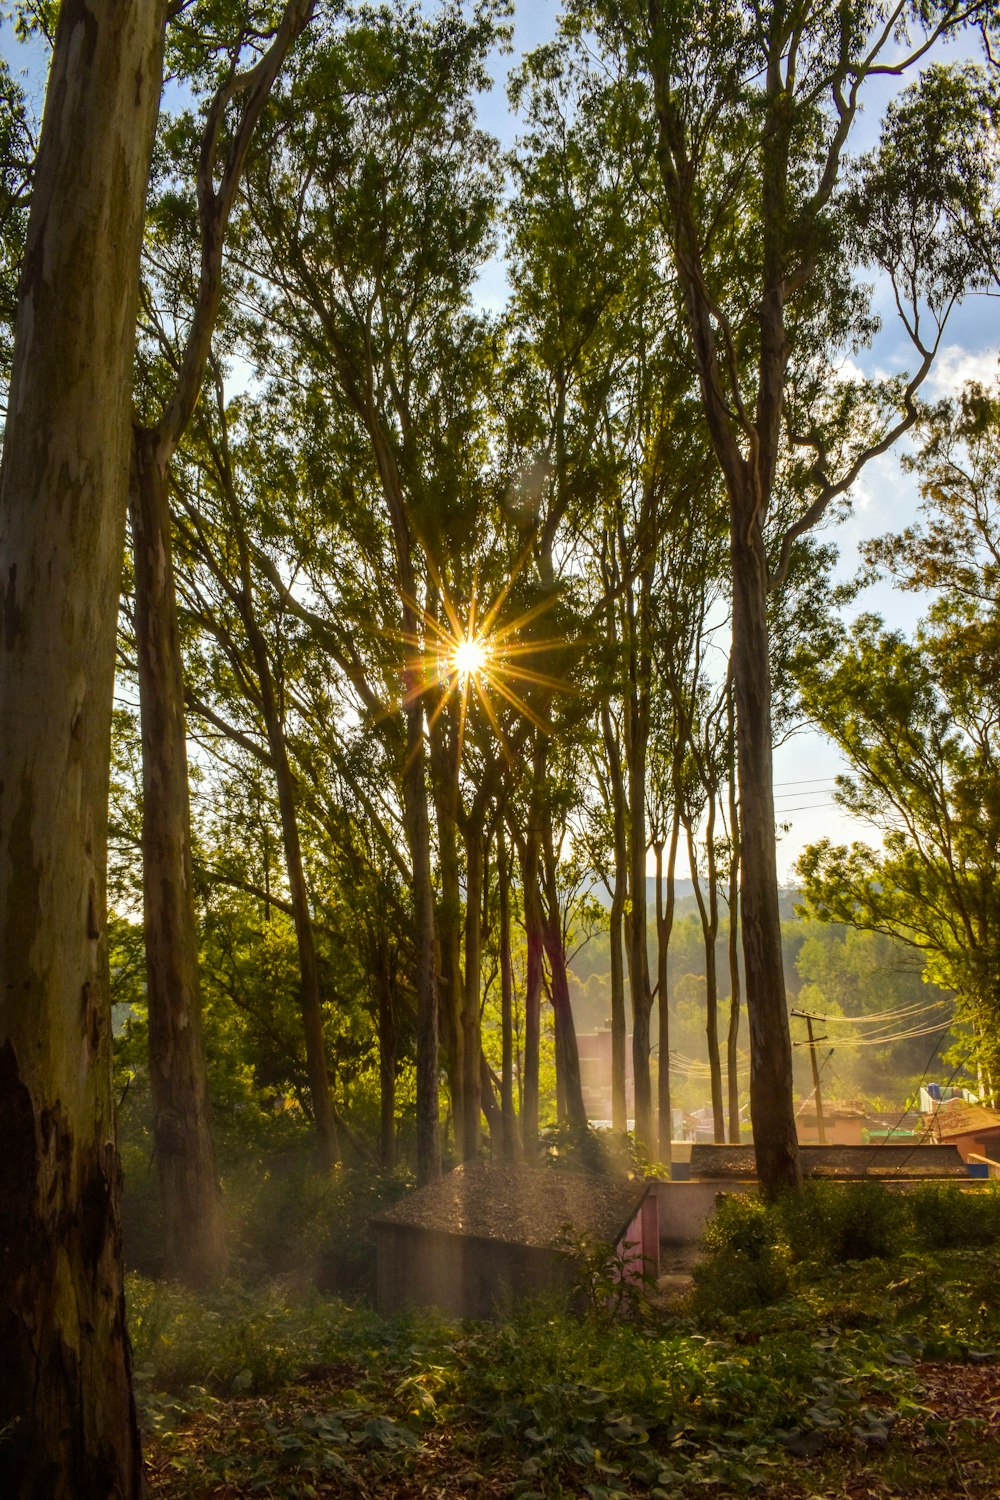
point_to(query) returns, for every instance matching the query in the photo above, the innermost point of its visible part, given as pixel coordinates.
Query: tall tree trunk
(642, 1000)
(66, 1404)
(709, 915)
(665, 904)
(533, 927)
(183, 1142)
(508, 1121)
(310, 992)
(386, 1047)
(418, 835)
(637, 745)
(619, 1026)
(182, 1128)
(733, 1034)
(567, 1052)
(472, 1093)
(771, 1108)
(445, 790)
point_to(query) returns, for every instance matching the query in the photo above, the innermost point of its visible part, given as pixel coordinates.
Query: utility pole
(805, 1016)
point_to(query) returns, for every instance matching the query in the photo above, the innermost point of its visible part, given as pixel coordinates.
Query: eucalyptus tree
(257, 648)
(918, 722)
(66, 1404)
(241, 68)
(369, 217)
(769, 223)
(587, 300)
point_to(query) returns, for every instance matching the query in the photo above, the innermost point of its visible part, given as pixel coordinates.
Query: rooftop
(956, 1117)
(520, 1204)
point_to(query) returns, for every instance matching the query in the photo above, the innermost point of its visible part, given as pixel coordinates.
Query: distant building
(844, 1123)
(973, 1128)
(595, 1074)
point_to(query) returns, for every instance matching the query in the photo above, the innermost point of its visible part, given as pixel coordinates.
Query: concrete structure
(901, 1163)
(595, 1074)
(685, 1208)
(488, 1232)
(843, 1124)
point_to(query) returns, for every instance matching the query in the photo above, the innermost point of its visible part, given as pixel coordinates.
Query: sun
(470, 657)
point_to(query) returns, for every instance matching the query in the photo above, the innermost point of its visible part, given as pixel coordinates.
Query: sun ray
(521, 706)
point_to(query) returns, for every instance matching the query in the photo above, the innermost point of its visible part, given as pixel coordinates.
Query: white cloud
(956, 365)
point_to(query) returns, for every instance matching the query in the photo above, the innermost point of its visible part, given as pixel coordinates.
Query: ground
(870, 1379)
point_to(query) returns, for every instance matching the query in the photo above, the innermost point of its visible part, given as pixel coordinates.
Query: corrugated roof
(520, 1204)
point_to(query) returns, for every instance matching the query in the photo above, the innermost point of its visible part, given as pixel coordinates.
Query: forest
(414, 547)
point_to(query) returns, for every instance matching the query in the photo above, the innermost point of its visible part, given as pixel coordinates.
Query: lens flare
(469, 657)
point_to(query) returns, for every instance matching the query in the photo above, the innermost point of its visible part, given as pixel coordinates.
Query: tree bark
(664, 927)
(386, 1054)
(472, 1093)
(733, 1034)
(445, 788)
(310, 992)
(642, 1001)
(567, 1052)
(532, 993)
(183, 1142)
(616, 918)
(66, 1404)
(508, 1121)
(709, 915)
(637, 745)
(771, 1107)
(418, 834)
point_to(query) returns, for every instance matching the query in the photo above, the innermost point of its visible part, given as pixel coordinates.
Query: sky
(806, 764)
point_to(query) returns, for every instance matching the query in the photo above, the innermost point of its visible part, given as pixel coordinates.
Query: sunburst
(470, 656)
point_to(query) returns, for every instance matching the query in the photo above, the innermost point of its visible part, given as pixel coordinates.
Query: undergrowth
(288, 1391)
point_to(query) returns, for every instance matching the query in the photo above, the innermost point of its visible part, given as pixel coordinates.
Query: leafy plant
(746, 1264)
(833, 1222)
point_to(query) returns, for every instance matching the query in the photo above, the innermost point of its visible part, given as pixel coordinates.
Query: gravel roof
(883, 1160)
(520, 1204)
(957, 1117)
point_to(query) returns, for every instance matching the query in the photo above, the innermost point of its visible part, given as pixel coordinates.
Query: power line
(804, 781)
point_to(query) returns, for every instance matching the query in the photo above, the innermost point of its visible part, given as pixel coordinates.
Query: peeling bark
(65, 1380)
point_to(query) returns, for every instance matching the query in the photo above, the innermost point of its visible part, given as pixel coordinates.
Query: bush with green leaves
(746, 1264)
(945, 1216)
(834, 1222)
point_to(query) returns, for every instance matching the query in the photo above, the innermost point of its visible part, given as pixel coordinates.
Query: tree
(753, 108)
(368, 264)
(917, 721)
(66, 1404)
(182, 1132)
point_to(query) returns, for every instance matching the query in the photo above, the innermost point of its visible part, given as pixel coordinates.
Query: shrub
(288, 1219)
(833, 1222)
(945, 1216)
(746, 1264)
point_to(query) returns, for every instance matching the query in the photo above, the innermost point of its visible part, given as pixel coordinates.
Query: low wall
(458, 1273)
(686, 1206)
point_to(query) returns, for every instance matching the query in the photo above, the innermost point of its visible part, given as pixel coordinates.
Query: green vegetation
(283, 1392)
